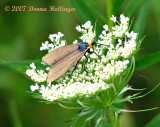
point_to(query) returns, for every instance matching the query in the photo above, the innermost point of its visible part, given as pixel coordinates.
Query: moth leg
(89, 51)
(86, 62)
(75, 66)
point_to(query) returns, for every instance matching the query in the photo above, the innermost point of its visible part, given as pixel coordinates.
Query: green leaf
(154, 122)
(133, 6)
(146, 93)
(116, 5)
(88, 119)
(13, 112)
(69, 107)
(124, 110)
(147, 61)
(92, 6)
(127, 76)
(84, 11)
(109, 11)
(82, 115)
(102, 123)
(20, 65)
(140, 20)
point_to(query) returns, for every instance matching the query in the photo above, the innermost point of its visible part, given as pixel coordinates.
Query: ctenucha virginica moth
(65, 57)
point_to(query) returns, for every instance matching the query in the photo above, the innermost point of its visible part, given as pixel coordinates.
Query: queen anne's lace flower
(87, 32)
(100, 72)
(34, 87)
(120, 29)
(54, 38)
(113, 18)
(36, 75)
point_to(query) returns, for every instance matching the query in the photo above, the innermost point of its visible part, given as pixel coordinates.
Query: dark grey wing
(59, 53)
(63, 65)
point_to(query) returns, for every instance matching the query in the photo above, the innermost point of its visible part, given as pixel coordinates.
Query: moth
(65, 57)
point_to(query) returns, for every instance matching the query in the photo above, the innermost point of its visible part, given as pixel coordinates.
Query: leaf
(133, 6)
(116, 5)
(83, 11)
(13, 112)
(69, 107)
(96, 9)
(124, 110)
(91, 117)
(127, 76)
(147, 61)
(20, 65)
(140, 20)
(154, 122)
(132, 97)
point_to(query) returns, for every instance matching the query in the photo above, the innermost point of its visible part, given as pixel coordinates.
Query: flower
(52, 37)
(98, 76)
(78, 28)
(34, 87)
(55, 37)
(36, 75)
(87, 25)
(75, 41)
(97, 84)
(113, 18)
(120, 29)
(124, 19)
(87, 31)
(105, 27)
(30, 72)
(44, 46)
(57, 42)
(131, 35)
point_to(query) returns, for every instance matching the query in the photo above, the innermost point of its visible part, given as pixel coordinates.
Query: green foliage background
(21, 34)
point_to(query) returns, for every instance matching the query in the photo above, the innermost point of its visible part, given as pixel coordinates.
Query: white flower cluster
(121, 43)
(57, 42)
(99, 73)
(56, 92)
(122, 27)
(36, 75)
(87, 32)
(111, 70)
(34, 87)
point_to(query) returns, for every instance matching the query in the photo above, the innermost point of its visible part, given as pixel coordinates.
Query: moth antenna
(101, 44)
(96, 36)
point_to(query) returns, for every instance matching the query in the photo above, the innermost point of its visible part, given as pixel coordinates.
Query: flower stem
(111, 117)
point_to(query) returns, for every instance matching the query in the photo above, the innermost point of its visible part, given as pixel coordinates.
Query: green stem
(111, 117)
(103, 114)
(14, 113)
(109, 7)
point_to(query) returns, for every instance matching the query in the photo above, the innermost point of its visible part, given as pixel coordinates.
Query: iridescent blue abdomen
(83, 46)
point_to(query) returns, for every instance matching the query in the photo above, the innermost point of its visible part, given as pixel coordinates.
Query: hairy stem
(111, 117)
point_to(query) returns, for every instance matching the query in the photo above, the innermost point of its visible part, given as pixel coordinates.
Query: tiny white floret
(113, 18)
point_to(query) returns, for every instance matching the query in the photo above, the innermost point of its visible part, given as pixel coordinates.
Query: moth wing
(59, 53)
(63, 65)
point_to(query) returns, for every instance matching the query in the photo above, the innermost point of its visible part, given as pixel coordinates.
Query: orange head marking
(90, 45)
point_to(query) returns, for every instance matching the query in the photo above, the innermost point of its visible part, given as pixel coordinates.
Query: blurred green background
(21, 35)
